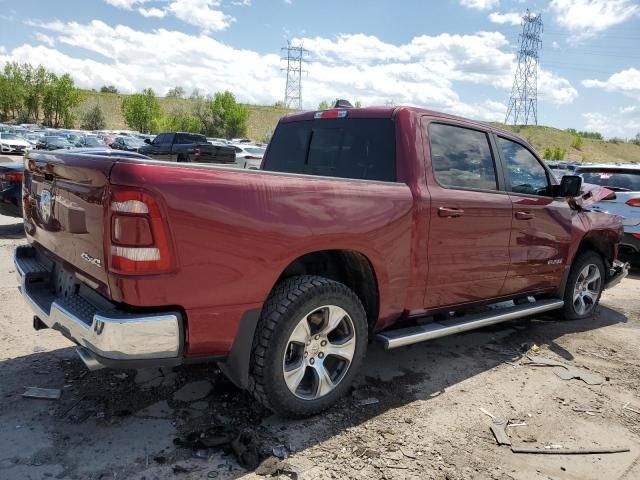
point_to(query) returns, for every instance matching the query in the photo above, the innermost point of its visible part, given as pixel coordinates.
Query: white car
(249, 156)
(12, 143)
(624, 180)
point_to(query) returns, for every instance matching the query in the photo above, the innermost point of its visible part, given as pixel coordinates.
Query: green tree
(93, 119)
(141, 110)
(35, 81)
(108, 89)
(576, 142)
(636, 140)
(176, 92)
(11, 90)
(60, 97)
(548, 154)
(177, 122)
(232, 116)
(324, 105)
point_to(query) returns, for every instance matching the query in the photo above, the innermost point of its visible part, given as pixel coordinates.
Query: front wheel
(584, 286)
(309, 343)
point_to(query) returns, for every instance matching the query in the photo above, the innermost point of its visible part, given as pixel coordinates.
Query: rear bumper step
(106, 335)
(421, 333)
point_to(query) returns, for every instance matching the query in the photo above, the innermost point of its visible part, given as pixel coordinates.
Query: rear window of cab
(358, 148)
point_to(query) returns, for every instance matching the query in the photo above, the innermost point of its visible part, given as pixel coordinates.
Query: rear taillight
(139, 241)
(637, 235)
(12, 177)
(196, 152)
(633, 202)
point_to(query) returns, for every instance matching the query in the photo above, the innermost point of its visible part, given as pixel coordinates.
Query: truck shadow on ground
(192, 420)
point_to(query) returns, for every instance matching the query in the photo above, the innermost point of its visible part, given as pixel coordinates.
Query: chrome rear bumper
(106, 334)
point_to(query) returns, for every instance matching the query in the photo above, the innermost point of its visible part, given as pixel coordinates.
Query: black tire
(287, 304)
(183, 158)
(582, 260)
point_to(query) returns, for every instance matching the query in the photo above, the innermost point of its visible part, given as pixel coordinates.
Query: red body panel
(233, 232)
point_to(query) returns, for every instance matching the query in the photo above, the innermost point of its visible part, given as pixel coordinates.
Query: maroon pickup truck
(388, 223)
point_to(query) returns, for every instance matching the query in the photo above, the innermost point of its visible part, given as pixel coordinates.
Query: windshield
(9, 136)
(622, 180)
(255, 151)
(132, 142)
(59, 141)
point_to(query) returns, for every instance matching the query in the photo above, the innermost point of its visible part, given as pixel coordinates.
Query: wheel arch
(350, 267)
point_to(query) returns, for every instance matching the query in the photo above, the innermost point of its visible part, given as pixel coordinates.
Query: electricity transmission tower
(295, 58)
(523, 102)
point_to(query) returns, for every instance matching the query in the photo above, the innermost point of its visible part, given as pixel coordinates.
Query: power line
(523, 102)
(295, 58)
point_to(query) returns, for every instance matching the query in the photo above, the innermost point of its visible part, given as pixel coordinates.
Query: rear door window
(359, 148)
(461, 157)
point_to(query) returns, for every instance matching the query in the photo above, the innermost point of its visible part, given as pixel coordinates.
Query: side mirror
(147, 141)
(570, 185)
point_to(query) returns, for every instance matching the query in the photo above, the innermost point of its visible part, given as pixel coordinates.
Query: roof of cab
(391, 111)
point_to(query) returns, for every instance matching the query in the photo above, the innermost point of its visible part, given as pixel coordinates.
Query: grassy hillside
(590, 151)
(263, 118)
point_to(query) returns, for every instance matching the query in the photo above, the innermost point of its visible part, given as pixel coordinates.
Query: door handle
(524, 215)
(450, 212)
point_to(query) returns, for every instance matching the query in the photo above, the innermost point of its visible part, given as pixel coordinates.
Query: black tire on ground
(582, 260)
(183, 158)
(289, 302)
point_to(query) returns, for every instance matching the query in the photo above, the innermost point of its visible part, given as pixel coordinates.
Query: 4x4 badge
(92, 260)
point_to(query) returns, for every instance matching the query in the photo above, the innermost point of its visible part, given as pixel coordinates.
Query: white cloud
(555, 44)
(626, 81)
(152, 12)
(201, 13)
(125, 4)
(426, 71)
(624, 123)
(511, 18)
(480, 4)
(46, 39)
(586, 18)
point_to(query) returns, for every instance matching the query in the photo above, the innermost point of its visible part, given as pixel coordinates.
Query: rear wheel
(308, 345)
(584, 286)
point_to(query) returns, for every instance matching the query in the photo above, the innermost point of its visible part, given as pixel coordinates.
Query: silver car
(624, 180)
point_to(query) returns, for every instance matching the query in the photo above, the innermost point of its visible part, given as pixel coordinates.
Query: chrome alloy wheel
(587, 288)
(319, 352)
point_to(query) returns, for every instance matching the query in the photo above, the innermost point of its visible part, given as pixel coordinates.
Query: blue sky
(456, 56)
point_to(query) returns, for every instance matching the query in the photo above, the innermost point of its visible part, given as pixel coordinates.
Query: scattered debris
(368, 401)
(193, 391)
(272, 466)
(499, 428)
(522, 424)
(42, 393)
(246, 450)
(627, 407)
(182, 469)
(280, 451)
(565, 451)
(216, 436)
(535, 348)
(121, 376)
(567, 372)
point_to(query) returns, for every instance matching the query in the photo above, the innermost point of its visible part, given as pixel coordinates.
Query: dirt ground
(414, 413)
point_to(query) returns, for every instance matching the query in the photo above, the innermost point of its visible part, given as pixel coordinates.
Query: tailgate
(64, 209)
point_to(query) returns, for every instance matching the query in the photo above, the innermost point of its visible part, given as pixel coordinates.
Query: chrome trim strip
(407, 336)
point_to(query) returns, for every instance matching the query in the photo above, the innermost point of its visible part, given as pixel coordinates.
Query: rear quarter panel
(234, 232)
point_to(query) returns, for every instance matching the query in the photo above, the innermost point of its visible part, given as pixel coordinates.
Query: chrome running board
(421, 333)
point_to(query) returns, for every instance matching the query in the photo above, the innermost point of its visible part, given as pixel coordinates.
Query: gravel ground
(413, 413)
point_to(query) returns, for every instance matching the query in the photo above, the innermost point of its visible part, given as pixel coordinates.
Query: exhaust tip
(89, 360)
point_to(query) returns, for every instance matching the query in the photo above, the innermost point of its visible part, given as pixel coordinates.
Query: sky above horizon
(456, 56)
